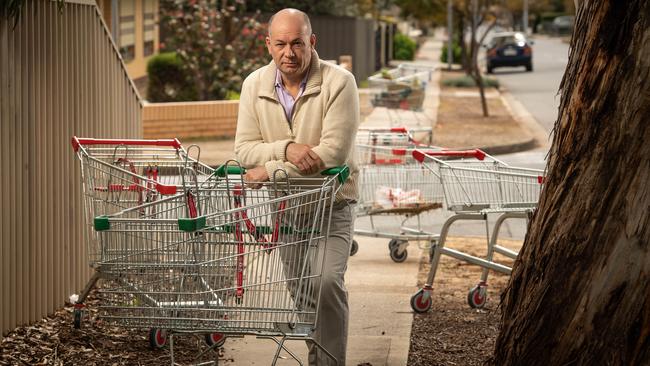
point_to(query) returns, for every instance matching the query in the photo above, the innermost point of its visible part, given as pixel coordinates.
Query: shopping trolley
(402, 73)
(402, 88)
(398, 136)
(120, 174)
(235, 261)
(472, 190)
(393, 183)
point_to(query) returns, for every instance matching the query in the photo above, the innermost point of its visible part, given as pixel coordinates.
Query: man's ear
(267, 41)
(312, 40)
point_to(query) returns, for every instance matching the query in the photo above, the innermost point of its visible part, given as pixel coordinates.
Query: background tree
(477, 16)
(579, 292)
(350, 8)
(424, 12)
(321, 7)
(216, 42)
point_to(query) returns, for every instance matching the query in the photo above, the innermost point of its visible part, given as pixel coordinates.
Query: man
(301, 114)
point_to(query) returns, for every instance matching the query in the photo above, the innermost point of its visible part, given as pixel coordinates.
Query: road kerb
(525, 118)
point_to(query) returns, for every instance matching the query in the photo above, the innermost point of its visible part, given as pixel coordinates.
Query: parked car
(509, 49)
(562, 25)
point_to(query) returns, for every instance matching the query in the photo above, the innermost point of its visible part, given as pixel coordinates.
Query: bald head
(291, 43)
(290, 17)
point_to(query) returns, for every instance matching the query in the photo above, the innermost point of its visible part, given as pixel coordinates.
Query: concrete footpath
(379, 289)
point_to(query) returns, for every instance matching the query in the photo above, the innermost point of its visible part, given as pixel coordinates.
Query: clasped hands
(300, 155)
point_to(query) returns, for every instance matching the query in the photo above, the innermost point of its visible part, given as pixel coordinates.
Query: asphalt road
(538, 90)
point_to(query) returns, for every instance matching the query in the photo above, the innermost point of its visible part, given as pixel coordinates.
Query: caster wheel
(77, 318)
(354, 248)
(215, 339)
(477, 296)
(157, 338)
(421, 301)
(393, 243)
(396, 256)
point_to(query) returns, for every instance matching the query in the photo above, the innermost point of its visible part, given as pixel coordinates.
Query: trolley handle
(381, 129)
(166, 189)
(76, 142)
(420, 155)
(225, 169)
(343, 172)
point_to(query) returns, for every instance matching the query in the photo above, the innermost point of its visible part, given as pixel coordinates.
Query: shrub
(457, 53)
(232, 95)
(467, 81)
(403, 47)
(167, 81)
(218, 44)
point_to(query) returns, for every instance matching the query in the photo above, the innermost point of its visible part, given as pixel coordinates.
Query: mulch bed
(452, 333)
(464, 113)
(54, 341)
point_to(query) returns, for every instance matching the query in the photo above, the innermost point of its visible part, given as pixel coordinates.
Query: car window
(517, 39)
(502, 41)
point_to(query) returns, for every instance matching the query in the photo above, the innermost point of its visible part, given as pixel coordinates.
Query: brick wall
(190, 119)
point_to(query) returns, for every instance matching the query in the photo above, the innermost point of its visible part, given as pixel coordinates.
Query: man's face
(290, 46)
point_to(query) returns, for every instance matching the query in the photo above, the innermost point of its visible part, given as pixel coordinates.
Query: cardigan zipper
(293, 113)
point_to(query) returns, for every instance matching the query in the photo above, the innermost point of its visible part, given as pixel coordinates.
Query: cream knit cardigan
(325, 116)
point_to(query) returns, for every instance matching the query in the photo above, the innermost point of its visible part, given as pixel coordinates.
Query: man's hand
(254, 176)
(303, 157)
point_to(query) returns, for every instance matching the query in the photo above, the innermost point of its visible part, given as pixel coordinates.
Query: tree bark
(475, 72)
(464, 59)
(580, 289)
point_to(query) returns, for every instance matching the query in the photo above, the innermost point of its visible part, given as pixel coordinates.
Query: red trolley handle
(399, 129)
(384, 129)
(420, 155)
(76, 142)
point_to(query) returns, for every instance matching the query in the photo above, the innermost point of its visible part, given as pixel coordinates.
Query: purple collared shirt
(285, 97)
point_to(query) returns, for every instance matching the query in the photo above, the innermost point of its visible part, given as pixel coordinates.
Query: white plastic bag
(387, 197)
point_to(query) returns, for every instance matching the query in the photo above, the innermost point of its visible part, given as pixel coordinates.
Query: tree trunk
(464, 59)
(478, 79)
(475, 72)
(580, 290)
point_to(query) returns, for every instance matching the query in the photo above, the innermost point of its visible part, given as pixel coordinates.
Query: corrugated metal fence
(60, 75)
(370, 43)
(336, 36)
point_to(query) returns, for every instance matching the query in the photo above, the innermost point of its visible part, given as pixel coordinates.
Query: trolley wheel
(354, 248)
(157, 338)
(421, 301)
(477, 296)
(393, 243)
(396, 256)
(76, 321)
(215, 339)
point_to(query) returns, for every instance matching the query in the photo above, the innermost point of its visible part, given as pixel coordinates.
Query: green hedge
(167, 82)
(457, 53)
(467, 81)
(403, 47)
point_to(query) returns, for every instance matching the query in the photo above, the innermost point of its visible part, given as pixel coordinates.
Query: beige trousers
(332, 317)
